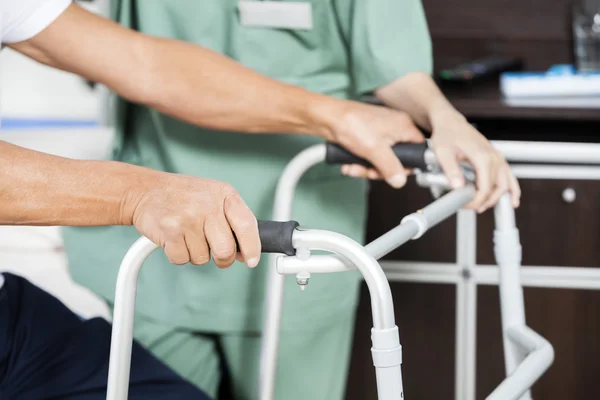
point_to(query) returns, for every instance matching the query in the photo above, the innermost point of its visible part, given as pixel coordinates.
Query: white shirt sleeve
(23, 19)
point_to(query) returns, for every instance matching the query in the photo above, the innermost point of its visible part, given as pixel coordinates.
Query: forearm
(418, 95)
(186, 81)
(233, 97)
(41, 189)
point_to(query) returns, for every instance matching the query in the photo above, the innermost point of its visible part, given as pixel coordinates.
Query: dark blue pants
(48, 352)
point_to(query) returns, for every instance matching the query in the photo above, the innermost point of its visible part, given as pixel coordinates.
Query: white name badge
(276, 14)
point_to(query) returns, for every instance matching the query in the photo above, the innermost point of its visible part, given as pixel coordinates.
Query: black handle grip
(275, 237)
(411, 155)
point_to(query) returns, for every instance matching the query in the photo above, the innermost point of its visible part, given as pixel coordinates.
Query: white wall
(32, 91)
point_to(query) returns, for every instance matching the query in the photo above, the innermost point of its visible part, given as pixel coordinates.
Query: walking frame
(527, 354)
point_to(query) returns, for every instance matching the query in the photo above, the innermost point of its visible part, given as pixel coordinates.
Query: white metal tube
(416, 224)
(379, 288)
(540, 357)
(507, 250)
(466, 307)
(556, 172)
(122, 329)
(386, 350)
(549, 152)
(527, 355)
(531, 276)
(284, 197)
(451, 275)
(389, 387)
(547, 277)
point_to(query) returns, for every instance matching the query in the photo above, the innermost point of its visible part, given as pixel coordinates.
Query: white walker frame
(527, 355)
(466, 274)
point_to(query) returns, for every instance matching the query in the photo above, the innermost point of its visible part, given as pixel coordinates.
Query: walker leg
(466, 307)
(527, 355)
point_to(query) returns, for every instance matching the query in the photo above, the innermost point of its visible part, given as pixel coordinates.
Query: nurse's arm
(453, 138)
(205, 88)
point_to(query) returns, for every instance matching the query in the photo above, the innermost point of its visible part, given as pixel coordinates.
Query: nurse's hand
(454, 139)
(192, 217)
(370, 132)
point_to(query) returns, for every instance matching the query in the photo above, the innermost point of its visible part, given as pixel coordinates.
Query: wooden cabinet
(553, 232)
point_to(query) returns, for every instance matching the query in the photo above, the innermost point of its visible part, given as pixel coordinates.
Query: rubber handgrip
(411, 155)
(276, 237)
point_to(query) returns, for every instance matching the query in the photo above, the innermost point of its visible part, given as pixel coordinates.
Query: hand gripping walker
(527, 354)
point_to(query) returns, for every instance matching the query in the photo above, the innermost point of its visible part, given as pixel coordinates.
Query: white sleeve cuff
(34, 20)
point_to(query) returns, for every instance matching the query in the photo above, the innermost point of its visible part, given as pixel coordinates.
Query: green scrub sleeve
(385, 38)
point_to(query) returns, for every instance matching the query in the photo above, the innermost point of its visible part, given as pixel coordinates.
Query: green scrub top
(354, 47)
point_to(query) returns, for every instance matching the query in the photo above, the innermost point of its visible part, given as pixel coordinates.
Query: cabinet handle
(569, 195)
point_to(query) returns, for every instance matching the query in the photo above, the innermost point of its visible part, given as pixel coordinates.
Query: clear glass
(586, 37)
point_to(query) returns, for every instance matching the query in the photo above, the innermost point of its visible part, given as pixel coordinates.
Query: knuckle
(247, 225)
(369, 145)
(224, 251)
(171, 226)
(227, 191)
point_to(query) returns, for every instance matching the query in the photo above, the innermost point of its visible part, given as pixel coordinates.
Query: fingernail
(253, 262)
(397, 181)
(481, 210)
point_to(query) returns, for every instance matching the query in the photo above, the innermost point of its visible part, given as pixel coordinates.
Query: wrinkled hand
(370, 132)
(453, 140)
(192, 217)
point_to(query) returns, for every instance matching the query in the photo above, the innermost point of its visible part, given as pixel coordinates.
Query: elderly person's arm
(183, 214)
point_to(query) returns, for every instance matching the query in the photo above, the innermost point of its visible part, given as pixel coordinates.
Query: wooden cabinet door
(553, 232)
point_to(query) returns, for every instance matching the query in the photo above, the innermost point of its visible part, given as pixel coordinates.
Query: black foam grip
(411, 155)
(276, 237)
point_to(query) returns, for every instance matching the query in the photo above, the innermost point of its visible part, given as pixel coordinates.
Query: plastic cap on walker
(302, 279)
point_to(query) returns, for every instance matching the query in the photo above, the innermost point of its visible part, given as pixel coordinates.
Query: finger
(483, 168)
(500, 190)
(220, 239)
(177, 251)
(449, 163)
(358, 171)
(373, 175)
(409, 131)
(514, 187)
(387, 164)
(197, 246)
(355, 171)
(243, 223)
